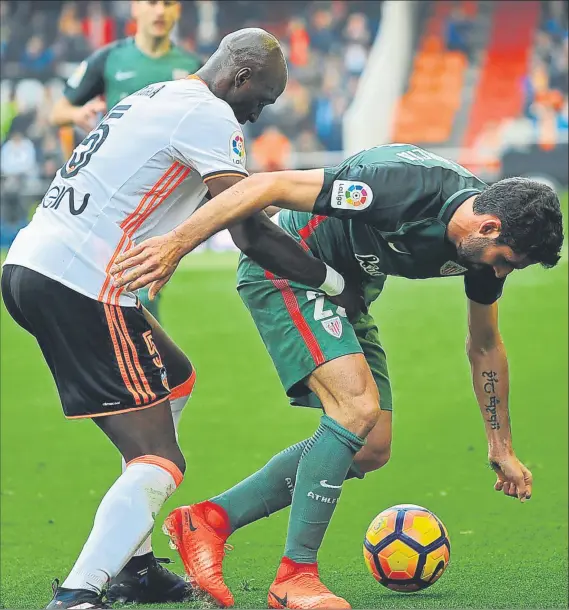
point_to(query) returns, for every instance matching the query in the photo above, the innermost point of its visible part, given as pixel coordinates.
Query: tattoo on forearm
(491, 380)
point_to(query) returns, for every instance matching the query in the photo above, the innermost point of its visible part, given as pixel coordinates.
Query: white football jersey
(141, 172)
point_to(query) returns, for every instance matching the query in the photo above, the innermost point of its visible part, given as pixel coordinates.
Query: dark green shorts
(302, 329)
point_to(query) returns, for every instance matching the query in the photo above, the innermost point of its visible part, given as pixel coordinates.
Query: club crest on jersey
(237, 148)
(333, 326)
(452, 268)
(350, 195)
(164, 378)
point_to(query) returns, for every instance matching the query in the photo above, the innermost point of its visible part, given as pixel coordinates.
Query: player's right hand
(152, 263)
(513, 478)
(85, 117)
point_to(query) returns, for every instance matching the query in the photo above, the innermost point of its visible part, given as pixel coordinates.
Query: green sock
(265, 492)
(268, 490)
(322, 469)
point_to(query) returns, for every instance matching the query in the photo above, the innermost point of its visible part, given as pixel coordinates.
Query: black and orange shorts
(103, 357)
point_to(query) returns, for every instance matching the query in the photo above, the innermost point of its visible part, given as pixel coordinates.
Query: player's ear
(490, 227)
(242, 77)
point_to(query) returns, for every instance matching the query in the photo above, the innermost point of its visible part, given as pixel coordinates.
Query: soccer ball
(406, 548)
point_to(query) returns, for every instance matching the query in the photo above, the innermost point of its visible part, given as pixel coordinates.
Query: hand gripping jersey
(141, 172)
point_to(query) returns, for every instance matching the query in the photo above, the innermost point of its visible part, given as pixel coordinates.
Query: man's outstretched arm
(489, 366)
(239, 209)
(294, 190)
(154, 261)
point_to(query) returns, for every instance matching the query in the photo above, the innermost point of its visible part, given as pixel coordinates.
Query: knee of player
(167, 459)
(366, 409)
(174, 455)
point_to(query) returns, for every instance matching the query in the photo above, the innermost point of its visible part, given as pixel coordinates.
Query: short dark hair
(531, 219)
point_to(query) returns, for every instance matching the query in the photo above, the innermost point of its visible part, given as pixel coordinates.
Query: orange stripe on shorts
(118, 355)
(139, 368)
(126, 355)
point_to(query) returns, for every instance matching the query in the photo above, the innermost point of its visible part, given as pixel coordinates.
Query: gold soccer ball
(406, 548)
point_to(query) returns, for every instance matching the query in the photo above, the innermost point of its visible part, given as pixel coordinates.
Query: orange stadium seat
(426, 111)
(498, 95)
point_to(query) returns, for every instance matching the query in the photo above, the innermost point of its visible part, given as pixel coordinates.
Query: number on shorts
(149, 339)
(319, 301)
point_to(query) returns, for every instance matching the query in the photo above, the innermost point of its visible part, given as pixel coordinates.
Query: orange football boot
(199, 532)
(298, 586)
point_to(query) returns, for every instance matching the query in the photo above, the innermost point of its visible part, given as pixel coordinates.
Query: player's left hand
(353, 302)
(152, 263)
(514, 479)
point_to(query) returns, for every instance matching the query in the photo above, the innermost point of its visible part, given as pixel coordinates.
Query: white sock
(124, 519)
(177, 405)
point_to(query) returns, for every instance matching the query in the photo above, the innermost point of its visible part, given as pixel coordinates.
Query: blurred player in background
(390, 210)
(121, 68)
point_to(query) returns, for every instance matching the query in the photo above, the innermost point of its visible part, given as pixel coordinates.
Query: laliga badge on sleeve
(350, 195)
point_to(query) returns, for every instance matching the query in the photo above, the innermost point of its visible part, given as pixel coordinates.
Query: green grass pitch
(504, 554)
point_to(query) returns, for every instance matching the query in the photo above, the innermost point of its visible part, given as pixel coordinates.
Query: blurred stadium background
(483, 83)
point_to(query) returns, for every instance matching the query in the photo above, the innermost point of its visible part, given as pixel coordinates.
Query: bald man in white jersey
(148, 165)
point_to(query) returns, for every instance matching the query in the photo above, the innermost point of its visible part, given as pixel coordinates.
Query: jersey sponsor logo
(452, 268)
(178, 74)
(56, 194)
(351, 195)
(333, 326)
(75, 79)
(120, 75)
(369, 263)
(237, 148)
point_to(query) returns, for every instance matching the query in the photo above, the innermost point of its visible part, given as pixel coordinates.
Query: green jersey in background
(121, 68)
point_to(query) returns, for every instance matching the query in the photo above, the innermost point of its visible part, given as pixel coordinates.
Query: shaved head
(248, 71)
(250, 46)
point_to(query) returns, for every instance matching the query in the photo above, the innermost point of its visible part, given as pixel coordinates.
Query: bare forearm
(277, 252)
(491, 386)
(226, 209)
(294, 190)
